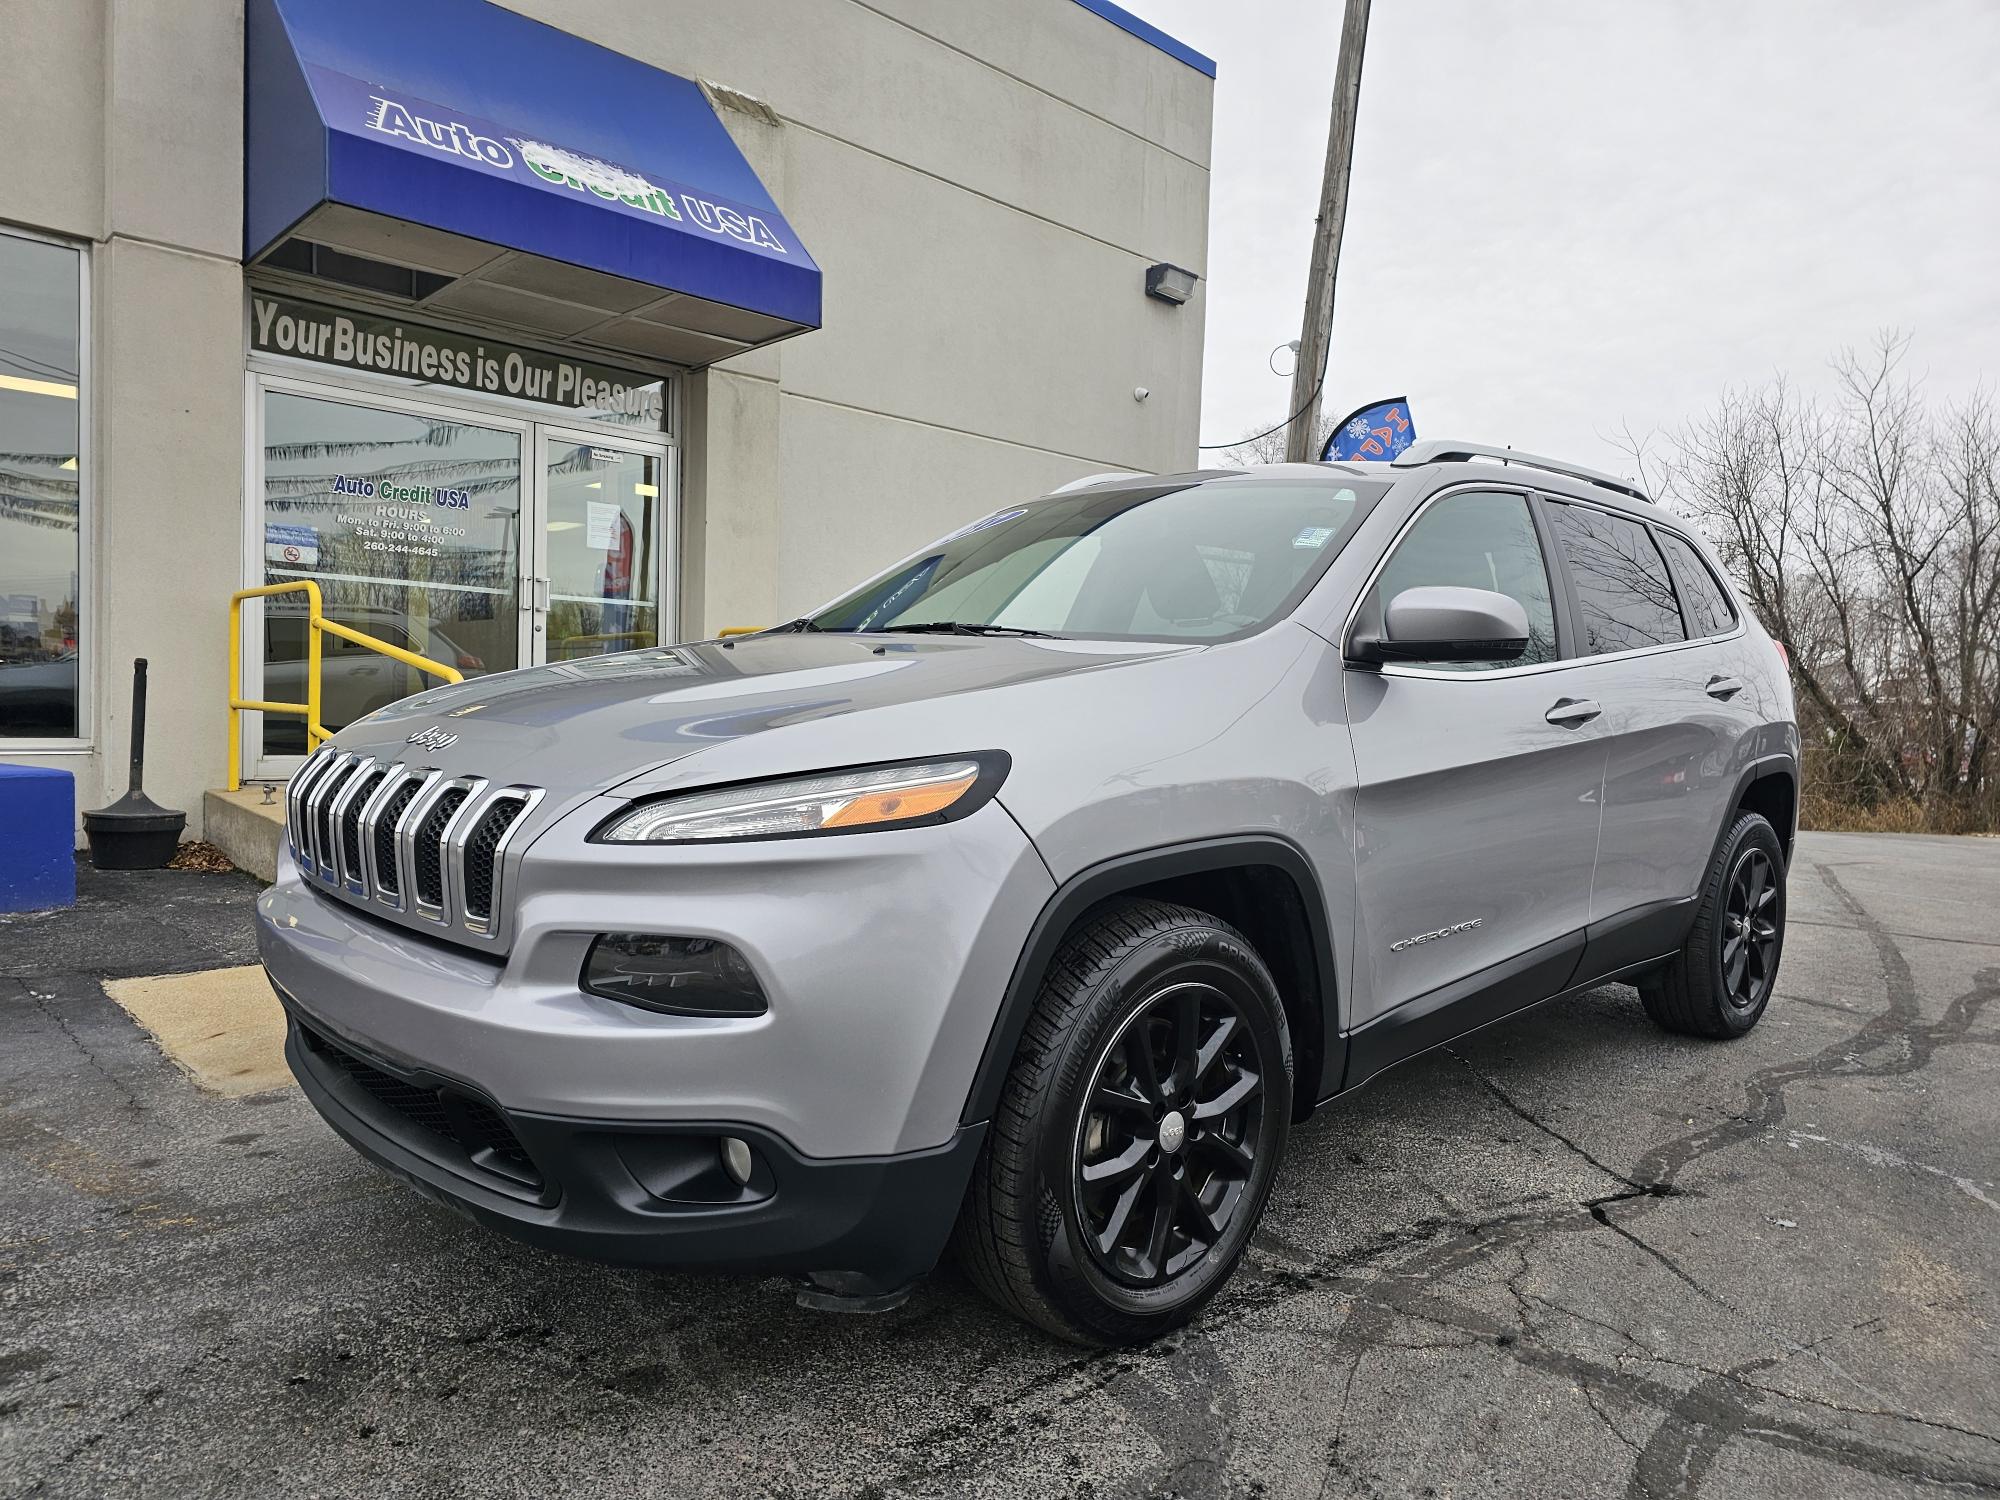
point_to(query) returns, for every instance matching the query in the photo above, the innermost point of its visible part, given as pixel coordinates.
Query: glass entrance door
(410, 522)
(603, 546)
(481, 542)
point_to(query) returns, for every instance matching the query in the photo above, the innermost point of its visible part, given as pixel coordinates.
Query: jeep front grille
(407, 841)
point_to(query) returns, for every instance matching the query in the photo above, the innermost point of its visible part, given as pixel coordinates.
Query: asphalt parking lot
(1570, 1256)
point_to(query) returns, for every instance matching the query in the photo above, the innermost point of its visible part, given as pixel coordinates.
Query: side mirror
(1442, 624)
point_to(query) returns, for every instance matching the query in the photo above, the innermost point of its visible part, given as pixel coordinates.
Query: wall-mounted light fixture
(1169, 283)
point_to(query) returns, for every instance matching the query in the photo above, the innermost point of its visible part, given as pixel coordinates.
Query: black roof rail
(1447, 451)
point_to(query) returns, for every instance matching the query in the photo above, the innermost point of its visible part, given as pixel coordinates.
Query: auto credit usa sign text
(433, 129)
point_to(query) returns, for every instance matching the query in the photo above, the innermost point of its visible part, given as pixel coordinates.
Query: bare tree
(1971, 478)
(1866, 535)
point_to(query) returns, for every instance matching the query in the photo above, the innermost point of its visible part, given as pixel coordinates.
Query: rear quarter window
(1703, 597)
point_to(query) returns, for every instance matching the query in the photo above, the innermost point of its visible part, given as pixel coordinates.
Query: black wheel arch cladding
(1158, 874)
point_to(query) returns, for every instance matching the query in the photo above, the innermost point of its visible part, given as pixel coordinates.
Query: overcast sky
(1572, 214)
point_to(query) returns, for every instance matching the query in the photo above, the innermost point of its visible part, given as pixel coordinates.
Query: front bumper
(883, 957)
(630, 1192)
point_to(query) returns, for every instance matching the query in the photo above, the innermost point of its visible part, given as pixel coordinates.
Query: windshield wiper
(964, 627)
(799, 626)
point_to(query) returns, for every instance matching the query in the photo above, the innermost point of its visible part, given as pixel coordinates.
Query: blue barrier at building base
(37, 838)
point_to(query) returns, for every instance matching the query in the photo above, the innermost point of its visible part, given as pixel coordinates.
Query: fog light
(736, 1160)
(681, 975)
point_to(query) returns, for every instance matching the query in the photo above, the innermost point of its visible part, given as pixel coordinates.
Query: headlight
(932, 791)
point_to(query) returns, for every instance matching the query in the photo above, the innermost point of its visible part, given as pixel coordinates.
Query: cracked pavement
(1566, 1256)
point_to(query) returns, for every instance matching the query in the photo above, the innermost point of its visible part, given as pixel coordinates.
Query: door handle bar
(1724, 687)
(1573, 712)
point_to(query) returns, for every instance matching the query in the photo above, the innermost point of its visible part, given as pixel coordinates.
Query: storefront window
(411, 526)
(41, 421)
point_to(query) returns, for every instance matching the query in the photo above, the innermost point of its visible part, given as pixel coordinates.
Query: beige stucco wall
(169, 512)
(983, 186)
(124, 127)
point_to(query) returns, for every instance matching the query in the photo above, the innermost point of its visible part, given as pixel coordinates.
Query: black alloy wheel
(1750, 930)
(1166, 1147)
(1720, 982)
(1139, 1130)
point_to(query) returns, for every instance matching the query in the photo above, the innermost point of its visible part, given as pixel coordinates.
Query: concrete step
(246, 827)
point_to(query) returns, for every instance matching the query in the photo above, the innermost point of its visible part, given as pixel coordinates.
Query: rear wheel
(1720, 982)
(1139, 1130)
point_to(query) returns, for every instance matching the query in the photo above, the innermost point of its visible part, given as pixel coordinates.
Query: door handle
(1573, 712)
(1724, 687)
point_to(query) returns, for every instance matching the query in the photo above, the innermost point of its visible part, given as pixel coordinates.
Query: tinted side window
(1478, 541)
(1624, 597)
(1704, 599)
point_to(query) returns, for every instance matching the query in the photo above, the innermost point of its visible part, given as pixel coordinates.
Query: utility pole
(1316, 334)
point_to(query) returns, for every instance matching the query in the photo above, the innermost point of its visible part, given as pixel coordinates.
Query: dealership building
(530, 333)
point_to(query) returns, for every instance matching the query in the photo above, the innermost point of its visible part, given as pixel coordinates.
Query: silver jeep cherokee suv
(1028, 894)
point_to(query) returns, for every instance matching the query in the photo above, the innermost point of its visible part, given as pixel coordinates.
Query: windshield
(1205, 561)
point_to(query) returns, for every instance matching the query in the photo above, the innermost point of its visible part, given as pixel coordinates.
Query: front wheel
(1139, 1130)
(1720, 982)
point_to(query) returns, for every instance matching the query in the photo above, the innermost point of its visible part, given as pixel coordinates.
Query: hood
(586, 726)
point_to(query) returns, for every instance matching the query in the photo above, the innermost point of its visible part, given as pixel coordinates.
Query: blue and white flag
(1376, 433)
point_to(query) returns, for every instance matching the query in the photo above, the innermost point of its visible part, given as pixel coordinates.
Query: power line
(1239, 442)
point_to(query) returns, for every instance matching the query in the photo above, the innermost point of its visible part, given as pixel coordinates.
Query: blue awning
(494, 154)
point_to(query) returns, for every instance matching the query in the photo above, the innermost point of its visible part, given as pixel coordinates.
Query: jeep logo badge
(433, 738)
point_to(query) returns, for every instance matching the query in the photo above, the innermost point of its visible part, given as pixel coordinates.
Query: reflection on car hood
(588, 725)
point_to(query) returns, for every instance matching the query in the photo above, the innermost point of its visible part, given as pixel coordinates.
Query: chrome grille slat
(410, 842)
(359, 780)
(435, 785)
(431, 839)
(475, 867)
(295, 818)
(369, 831)
(405, 837)
(319, 800)
(292, 790)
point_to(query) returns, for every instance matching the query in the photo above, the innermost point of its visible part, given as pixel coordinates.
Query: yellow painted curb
(224, 1027)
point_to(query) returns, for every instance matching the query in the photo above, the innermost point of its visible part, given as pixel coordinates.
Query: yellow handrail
(316, 625)
(375, 643)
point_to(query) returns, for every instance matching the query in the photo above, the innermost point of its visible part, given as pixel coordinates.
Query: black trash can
(135, 832)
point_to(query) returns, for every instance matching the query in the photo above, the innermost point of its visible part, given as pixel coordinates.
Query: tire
(1197, 1155)
(1703, 991)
